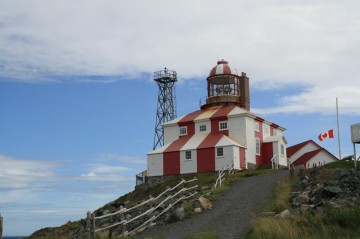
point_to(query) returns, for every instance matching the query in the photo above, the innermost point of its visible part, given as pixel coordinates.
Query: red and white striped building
(222, 133)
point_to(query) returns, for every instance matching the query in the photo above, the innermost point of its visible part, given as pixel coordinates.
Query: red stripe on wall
(190, 117)
(171, 156)
(242, 158)
(206, 160)
(206, 153)
(171, 163)
(266, 152)
(177, 144)
(223, 112)
(210, 141)
(188, 121)
(220, 115)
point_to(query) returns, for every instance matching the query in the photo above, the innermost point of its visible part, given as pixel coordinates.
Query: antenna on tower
(166, 105)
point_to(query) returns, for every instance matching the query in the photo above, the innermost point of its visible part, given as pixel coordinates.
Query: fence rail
(167, 203)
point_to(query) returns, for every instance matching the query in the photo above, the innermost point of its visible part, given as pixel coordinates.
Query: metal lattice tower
(166, 105)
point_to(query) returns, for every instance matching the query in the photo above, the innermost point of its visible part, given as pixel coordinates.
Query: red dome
(222, 68)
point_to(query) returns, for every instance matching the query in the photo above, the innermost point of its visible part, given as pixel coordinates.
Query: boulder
(205, 203)
(331, 191)
(179, 213)
(197, 210)
(284, 214)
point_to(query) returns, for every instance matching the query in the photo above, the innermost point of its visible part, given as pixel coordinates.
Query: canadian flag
(328, 134)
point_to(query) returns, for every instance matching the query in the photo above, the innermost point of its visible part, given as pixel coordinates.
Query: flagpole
(338, 127)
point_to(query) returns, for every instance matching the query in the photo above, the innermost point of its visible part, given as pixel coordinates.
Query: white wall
(250, 146)
(236, 155)
(171, 133)
(237, 129)
(321, 157)
(188, 165)
(203, 122)
(307, 148)
(155, 164)
(226, 160)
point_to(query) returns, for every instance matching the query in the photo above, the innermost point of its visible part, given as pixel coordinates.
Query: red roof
(222, 68)
(290, 151)
(306, 157)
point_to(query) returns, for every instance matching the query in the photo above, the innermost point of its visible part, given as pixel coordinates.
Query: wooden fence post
(92, 225)
(1, 226)
(88, 225)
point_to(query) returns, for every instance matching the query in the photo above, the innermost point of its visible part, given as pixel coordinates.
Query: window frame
(218, 150)
(282, 150)
(183, 128)
(257, 146)
(188, 155)
(202, 128)
(223, 123)
(257, 126)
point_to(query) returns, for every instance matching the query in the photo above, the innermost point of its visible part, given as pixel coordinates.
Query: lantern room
(225, 86)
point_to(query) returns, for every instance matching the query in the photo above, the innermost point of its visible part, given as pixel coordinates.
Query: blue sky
(77, 99)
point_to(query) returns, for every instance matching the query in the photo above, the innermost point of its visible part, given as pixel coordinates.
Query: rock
(197, 210)
(204, 188)
(284, 214)
(205, 203)
(341, 172)
(179, 213)
(300, 199)
(301, 185)
(331, 191)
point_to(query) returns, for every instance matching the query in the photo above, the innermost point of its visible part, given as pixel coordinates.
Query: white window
(257, 142)
(183, 130)
(266, 129)
(188, 155)
(282, 150)
(202, 128)
(274, 132)
(257, 126)
(223, 125)
(219, 152)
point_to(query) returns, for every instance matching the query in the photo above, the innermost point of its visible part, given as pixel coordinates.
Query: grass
(331, 223)
(340, 164)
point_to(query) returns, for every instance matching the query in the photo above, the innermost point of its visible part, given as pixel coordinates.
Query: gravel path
(231, 214)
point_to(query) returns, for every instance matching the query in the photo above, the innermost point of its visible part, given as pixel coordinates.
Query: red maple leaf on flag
(329, 134)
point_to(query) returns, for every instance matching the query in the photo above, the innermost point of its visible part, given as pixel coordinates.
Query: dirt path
(231, 214)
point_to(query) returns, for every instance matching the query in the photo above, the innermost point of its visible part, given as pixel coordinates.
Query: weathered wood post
(122, 218)
(92, 225)
(88, 225)
(1, 226)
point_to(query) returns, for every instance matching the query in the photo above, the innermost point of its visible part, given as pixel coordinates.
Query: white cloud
(105, 173)
(122, 158)
(20, 173)
(276, 43)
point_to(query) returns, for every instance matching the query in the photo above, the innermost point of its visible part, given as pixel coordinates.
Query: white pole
(338, 127)
(354, 154)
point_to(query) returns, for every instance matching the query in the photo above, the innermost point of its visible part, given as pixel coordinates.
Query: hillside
(318, 203)
(205, 182)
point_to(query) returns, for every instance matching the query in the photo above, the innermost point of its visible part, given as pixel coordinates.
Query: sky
(78, 100)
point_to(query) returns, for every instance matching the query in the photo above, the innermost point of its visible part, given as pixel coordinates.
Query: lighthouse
(223, 133)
